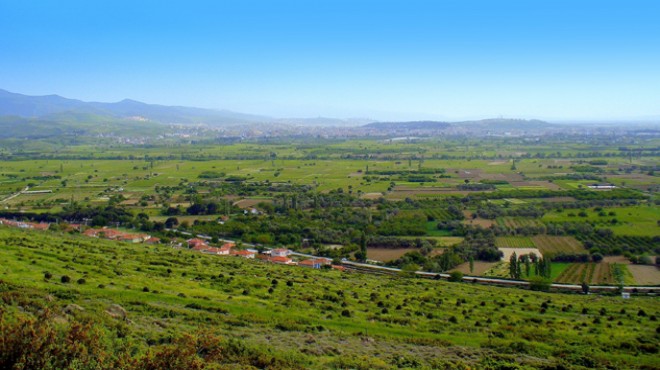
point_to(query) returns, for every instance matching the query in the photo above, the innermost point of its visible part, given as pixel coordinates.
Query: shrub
(539, 284)
(456, 276)
(48, 275)
(81, 281)
(65, 279)
(596, 257)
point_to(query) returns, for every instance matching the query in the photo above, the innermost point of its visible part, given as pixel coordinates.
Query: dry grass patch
(557, 244)
(387, 254)
(645, 274)
(480, 268)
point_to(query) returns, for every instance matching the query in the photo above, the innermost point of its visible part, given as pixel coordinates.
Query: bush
(539, 284)
(65, 279)
(81, 281)
(48, 275)
(456, 276)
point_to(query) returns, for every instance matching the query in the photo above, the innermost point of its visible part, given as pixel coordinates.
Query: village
(199, 244)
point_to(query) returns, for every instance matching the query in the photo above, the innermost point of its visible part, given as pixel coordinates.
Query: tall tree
(513, 266)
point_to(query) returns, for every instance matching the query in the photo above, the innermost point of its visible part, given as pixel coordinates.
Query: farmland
(386, 254)
(514, 242)
(623, 221)
(548, 244)
(603, 273)
(436, 205)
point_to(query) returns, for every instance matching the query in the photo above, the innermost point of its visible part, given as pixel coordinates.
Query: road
(15, 195)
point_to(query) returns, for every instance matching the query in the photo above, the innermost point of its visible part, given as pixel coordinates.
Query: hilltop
(146, 306)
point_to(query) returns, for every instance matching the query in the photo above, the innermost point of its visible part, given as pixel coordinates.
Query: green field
(514, 242)
(634, 221)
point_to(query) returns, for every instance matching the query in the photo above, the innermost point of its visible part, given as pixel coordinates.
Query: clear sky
(407, 59)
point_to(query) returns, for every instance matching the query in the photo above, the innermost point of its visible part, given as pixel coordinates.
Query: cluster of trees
(421, 260)
(523, 265)
(75, 213)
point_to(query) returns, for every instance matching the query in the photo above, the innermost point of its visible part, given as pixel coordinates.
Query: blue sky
(452, 59)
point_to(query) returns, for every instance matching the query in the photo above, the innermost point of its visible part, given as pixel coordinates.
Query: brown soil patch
(480, 268)
(645, 274)
(249, 203)
(617, 259)
(387, 254)
(372, 195)
(480, 222)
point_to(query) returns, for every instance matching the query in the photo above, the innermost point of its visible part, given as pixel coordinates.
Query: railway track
(382, 270)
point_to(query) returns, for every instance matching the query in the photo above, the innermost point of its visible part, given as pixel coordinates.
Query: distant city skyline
(385, 60)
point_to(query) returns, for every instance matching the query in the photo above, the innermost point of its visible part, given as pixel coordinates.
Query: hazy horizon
(384, 60)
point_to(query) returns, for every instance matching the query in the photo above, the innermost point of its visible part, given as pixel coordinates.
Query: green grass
(232, 299)
(634, 221)
(556, 269)
(432, 229)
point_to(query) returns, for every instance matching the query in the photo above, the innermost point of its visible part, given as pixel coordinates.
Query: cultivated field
(479, 268)
(515, 222)
(645, 275)
(514, 242)
(603, 273)
(387, 254)
(549, 244)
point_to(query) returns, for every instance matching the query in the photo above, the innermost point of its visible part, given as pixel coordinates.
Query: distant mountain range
(412, 125)
(50, 106)
(494, 124)
(24, 116)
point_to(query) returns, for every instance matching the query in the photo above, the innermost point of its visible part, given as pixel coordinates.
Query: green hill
(112, 305)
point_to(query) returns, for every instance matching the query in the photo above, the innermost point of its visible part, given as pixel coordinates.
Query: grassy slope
(425, 323)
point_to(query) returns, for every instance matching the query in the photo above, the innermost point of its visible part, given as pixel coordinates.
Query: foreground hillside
(108, 305)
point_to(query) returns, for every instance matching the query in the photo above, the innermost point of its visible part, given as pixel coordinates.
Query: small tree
(596, 257)
(585, 287)
(409, 270)
(65, 279)
(539, 284)
(456, 276)
(513, 266)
